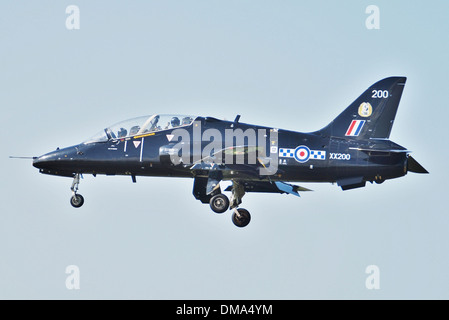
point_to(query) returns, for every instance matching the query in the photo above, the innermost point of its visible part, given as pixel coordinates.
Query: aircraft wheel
(219, 203)
(77, 200)
(241, 218)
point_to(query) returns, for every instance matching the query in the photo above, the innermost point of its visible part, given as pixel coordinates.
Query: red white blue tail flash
(355, 127)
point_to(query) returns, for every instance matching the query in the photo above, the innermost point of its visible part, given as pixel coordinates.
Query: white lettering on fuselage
(339, 156)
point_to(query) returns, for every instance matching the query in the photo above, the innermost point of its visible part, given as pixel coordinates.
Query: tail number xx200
(340, 156)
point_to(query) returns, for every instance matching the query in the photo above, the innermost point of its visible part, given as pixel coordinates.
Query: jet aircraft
(350, 151)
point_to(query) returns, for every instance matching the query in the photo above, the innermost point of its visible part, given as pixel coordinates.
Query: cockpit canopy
(142, 125)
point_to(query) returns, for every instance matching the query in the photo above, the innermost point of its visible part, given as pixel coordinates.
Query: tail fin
(372, 114)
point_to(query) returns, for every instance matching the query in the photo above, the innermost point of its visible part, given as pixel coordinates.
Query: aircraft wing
(246, 175)
(235, 154)
(245, 171)
(270, 187)
(367, 150)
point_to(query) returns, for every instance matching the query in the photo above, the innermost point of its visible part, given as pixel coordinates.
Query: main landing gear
(219, 202)
(241, 217)
(76, 200)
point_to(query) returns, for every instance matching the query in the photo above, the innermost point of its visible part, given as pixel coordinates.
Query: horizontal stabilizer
(414, 166)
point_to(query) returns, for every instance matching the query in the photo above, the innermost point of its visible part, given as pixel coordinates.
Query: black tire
(77, 200)
(219, 203)
(244, 218)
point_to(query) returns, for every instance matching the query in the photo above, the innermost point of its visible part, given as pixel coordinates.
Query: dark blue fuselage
(320, 158)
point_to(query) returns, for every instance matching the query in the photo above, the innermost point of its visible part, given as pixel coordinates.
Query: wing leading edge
(270, 187)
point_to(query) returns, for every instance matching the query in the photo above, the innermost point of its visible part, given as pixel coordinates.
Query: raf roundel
(302, 154)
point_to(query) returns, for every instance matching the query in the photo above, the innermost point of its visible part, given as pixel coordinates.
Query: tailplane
(372, 114)
(414, 166)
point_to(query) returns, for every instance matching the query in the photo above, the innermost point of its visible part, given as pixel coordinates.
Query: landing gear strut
(76, 200)
(240, 216)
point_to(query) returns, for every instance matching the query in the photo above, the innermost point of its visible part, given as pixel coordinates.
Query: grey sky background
(287, 64)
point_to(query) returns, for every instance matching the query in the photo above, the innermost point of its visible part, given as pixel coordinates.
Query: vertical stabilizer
(372, 114)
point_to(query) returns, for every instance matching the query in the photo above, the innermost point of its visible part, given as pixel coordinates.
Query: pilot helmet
(186, 120)
(122, 132)
(175, 122)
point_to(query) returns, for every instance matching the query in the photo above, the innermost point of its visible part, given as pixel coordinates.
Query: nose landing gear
(76, 200)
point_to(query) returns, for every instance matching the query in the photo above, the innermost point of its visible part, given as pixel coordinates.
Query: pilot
(186, 120)
(134, 130)
(122, 133)
(154, 126)
(175, 122)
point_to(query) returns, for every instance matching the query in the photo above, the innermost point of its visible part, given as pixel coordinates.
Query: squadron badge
(365, 109)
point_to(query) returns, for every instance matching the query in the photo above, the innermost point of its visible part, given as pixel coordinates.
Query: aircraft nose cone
(36, 162)
(52, 160)
(42, 161)
(62, 162)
